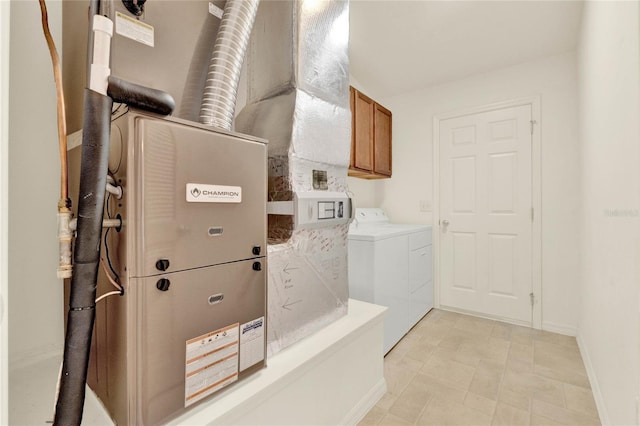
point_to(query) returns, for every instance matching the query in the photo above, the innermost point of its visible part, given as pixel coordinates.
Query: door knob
(445, 222)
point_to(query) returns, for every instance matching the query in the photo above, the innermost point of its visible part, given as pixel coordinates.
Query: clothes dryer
(391, 264)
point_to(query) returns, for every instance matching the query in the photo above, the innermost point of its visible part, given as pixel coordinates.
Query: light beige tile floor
(454, 369)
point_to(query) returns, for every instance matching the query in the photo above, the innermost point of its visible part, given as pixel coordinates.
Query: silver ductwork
(221, 87)
(298, 99)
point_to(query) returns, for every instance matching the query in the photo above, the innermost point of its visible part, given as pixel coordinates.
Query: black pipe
(86, 259)
(140, 97)
(81, 315)
(96, 131)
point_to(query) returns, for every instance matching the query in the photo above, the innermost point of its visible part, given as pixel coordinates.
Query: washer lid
(381, 231)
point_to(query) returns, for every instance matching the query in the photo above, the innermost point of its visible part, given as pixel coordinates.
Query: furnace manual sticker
(211, 363)
(134, 29)
(251, 343)
(203, 193)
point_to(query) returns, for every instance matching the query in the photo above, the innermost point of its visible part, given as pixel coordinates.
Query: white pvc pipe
(114, 190)
(65, 235)
(100, 71)
(106, 223)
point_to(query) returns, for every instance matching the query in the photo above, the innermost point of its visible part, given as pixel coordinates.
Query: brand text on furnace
(221, 193)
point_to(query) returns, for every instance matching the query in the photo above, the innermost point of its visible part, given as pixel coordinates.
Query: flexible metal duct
(219, 98)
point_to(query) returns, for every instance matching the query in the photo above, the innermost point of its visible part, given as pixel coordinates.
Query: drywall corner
(609, 107)
(5, 11)
(595, 388)
(36, 311)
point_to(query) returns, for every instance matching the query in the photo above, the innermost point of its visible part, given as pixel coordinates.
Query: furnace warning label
(134, 29)
(211, 363)
(251, 343)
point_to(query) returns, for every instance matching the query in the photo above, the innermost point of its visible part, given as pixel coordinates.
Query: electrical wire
(115, 111)
(107, 202)
(106, 249)
(64, 202)
(111, 280)
(104, 296)
(114, 282)
(126, 110)
(106, 242)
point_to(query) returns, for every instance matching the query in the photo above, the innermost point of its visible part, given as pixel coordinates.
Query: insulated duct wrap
(219, 99)
(298, 99)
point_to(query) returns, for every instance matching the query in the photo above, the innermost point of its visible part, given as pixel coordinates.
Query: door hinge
(532, 123)
(532, 214)
(532, 297)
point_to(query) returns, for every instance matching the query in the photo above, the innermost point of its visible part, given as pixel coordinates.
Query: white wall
(35, 309)
(609, 323)
(4, 166)
(554, 79)
(365, 193)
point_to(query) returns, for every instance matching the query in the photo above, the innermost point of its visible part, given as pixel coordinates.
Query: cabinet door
(352, 105)
(363, 129)
(382, 137)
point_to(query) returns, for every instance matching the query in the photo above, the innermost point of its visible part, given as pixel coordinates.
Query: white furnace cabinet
(191, 256)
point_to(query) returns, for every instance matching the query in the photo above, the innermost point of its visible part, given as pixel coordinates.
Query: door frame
(5, 10)
(536, 195)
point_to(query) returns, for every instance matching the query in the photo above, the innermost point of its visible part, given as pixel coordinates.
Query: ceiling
(400, 46)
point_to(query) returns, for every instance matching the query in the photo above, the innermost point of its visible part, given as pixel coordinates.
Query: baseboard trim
(546, 325)
(367, 402)
(593, 380)
(484, 315)
(567, 330)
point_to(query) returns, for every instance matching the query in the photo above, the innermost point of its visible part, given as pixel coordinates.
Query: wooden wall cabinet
(370, 138)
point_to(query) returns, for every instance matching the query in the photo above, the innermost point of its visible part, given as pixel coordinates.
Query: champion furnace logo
(203, 193)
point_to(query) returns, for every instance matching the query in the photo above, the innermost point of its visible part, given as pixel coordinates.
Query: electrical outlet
(425, 206)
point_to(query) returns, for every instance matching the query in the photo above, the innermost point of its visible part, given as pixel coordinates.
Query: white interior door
(486, 213)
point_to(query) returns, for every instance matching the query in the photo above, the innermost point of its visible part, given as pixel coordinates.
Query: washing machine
(391, 264)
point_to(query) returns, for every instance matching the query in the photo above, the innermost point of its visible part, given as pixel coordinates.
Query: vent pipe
(219, 99)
